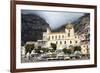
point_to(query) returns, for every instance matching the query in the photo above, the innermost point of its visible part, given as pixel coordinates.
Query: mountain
(82, 26)
(79, 25)
(82, 23)
(32, 27)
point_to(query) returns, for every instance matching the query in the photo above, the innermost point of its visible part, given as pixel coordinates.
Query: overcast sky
(55, 19)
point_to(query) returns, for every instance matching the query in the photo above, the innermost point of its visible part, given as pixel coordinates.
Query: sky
(55, 19)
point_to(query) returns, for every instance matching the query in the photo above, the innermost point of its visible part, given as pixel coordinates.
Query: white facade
(62, 39)
(84, 49)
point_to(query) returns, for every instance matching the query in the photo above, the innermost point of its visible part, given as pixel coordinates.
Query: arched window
(75, 41)
(52, 37)
(64, 42)
(84, 46)
(62, 36)
(70, 42)
(59, 36)
(68, 34)
(55, 37)
(60, 42)
(75, 37)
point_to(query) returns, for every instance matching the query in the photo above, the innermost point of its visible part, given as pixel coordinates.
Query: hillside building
(62, 39)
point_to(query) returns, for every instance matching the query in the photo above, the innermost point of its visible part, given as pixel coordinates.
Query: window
(87, 46)
(75, 41)
(68, 34)
(52, 37)
(59, 36)
(60, 42)
(62, 36)
(70, 42)
(84, 46)
(55, 37)
(65, 42)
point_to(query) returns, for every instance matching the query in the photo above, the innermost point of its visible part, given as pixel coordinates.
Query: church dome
(69, 26)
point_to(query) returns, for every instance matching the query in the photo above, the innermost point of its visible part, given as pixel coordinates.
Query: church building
(62, 39)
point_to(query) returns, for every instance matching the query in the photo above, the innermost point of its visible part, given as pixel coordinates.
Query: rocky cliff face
(82, 24)
(32, 27)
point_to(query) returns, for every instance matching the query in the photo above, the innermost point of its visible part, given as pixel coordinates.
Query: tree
(45, 50)
(52, 50)
(71, 48)
(64, 50)
(37, 50)
(54, 46)
(69, 51)
(29, 48)
(77, 48)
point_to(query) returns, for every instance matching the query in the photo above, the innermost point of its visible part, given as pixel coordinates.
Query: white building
(84, 49)
(62, 39)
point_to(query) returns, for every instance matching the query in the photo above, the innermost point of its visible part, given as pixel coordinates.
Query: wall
(5, 36)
